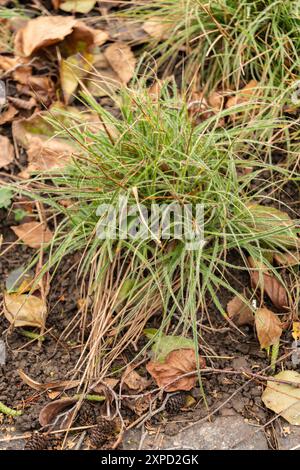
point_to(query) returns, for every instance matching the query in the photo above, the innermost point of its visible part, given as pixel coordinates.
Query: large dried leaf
(268, 327)
(284, 399)
(25, 310)
(33, 234)
(122, 60)
(42, 32)
(168, 374)
(133, 380)
(50, 412)
(261, 278)
(58, 385)
(6, 151)
(239, 312)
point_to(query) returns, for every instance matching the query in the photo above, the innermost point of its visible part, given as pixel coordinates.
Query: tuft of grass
(155, 153)
(225, 42)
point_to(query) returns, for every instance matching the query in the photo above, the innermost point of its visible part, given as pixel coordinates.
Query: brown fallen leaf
(25, 310)
(156, 28)
(51, 411)
(42, 32)
(58, 385)
(133, 380)
(291, 258)
(100, 37)
(268, 327)
(261, 278)
(23, 104)
(284, 398)
(75, 6)
(177, 363)
(244, 95)
(33, 234)
(8, 114)
(6, 151)
(46, 156)
(239, 312)
(122, 60)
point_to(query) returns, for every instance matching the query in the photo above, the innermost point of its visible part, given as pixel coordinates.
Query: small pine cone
(102, 433)
(86, 415)
(37, 441)
(175, 403)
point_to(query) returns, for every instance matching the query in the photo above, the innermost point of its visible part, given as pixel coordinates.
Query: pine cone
(86, 415)
(102, 433)
(37, 441)
(175, 403)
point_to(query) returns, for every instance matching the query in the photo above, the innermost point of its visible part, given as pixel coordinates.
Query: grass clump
(155, 153)
(224, 41)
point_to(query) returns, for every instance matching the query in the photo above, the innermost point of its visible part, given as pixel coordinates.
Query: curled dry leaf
(51, 411)
(133, 380)
(284, 399)
(42, 32)
(7, 152)
(25, 310)
(239, 312)
(261, 278)
(167, 374)
(268, 327)
(33, 234)
(58, 385)
(122, 60)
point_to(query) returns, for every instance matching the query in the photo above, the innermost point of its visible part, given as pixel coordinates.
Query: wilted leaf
(284, 399)
(244, 95)
(122, 60)
(239, 312)
(77, 6)
(33, 234)
(292, 258)
(24, 309)
(177, 363)
(133, 380)
(268, 327)
(58, 385)
(7, 152)
(42, 32)
(51, 411)
(261, 278)
(296, 330)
